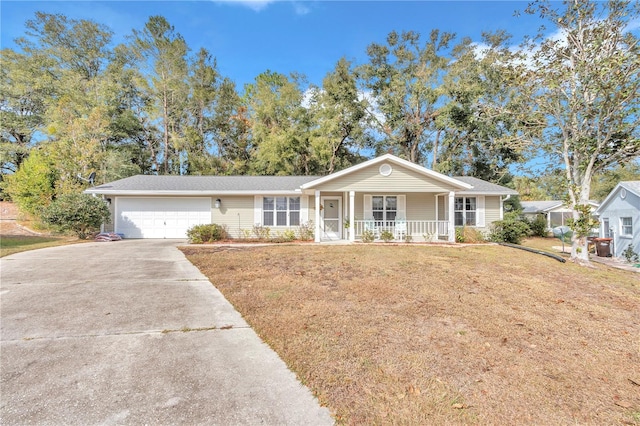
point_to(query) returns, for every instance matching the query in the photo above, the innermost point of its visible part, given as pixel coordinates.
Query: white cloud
(255, 5)
(301, 8)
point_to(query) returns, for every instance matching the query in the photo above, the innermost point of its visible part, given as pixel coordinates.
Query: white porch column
(317, 233)
(452, 217)
(352, 215)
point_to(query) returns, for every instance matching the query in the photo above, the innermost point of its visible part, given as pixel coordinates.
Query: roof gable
(388, 158)
(632, 186)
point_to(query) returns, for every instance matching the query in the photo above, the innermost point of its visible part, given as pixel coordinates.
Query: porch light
(218, 203)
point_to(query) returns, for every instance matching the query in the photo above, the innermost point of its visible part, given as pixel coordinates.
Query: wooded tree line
(72, 103)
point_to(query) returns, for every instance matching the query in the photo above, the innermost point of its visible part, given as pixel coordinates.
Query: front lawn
(10, 244)
(549, 244)
(421, 334)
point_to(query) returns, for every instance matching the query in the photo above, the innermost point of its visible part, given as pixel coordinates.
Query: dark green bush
(630, 255)
(209, 233)
(512, 229)
(81, 214)
(538, 226)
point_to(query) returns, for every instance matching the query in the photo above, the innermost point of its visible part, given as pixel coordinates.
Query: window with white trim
(281, 211)
(384, 207)
(626, 226)
(465, 209)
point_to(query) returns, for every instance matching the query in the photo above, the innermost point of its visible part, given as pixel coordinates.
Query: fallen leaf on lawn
(458, 406)
(413, 390)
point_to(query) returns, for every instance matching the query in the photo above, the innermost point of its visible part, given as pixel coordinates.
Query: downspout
(502, 200)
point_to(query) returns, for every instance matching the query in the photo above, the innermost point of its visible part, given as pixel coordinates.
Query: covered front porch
(383, 197)
(410, 216)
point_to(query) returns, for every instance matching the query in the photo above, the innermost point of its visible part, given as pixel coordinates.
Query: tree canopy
(72, 102)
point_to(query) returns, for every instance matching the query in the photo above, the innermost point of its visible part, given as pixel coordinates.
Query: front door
(331, 218)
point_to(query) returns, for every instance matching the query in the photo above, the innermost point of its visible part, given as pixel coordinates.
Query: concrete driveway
(130, 332)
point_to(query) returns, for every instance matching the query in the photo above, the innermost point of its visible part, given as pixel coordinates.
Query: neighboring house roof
(391, 159)
(482, 187)
(632, 186)
(533, 207)
(202, 185)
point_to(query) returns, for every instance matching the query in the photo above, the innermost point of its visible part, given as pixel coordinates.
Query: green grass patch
(11, 244)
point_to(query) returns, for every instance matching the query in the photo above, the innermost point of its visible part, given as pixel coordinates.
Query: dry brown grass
(421, 334)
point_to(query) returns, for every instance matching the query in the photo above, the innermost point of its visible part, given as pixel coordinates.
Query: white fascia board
(124, 193)
(555, 206)
(393, 159)
(611, 195)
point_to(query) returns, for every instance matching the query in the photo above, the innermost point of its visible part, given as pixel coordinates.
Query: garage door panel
(160, 217)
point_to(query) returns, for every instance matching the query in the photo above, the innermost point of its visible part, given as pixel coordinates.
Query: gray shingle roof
(483, 187)
(531, 207)
(143, 184)
(212, 184)
(631, 185)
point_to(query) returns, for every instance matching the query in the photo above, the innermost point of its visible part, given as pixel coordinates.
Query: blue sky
(308, 37)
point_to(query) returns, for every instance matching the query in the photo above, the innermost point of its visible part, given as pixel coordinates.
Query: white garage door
(160, 217)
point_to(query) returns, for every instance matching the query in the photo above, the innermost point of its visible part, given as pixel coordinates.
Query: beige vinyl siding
(236, 213)
(401, 180)
(491, 210)
(312, 211)
(442, 207)
(421, 207)
(359, 206)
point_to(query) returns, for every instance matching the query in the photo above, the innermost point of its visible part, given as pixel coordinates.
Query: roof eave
(124, 192)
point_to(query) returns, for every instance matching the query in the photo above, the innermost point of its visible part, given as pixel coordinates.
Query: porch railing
(418, 230)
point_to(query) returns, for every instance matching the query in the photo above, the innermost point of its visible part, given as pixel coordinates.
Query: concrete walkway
(130, 332)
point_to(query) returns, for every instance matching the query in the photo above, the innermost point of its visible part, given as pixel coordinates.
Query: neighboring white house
(555, 212)
(619, 216)
(383, 194)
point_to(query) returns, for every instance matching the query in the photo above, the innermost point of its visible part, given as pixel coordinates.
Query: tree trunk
(434, 162)
(580, 244)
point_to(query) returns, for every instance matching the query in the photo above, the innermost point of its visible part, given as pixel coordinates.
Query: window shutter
(368, 212)
(480, 211)
(257, 210)
(402, 207)
(304, 209)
